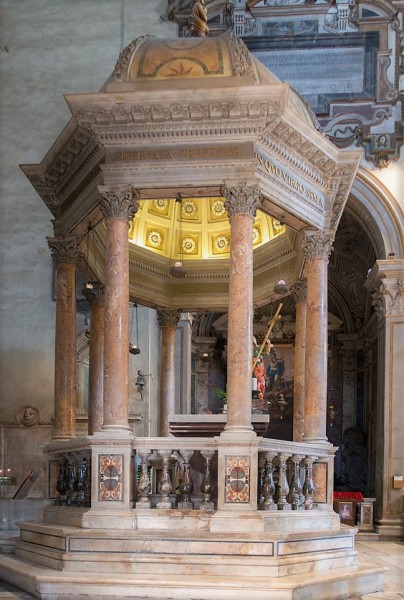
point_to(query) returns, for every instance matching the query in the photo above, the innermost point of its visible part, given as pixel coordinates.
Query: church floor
(383, 553)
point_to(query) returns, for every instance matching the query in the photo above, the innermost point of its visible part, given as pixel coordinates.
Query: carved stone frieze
(123, 61)
(168, 318)
(73, 159)
(317, 244)
(388, 299)
(241, 57)
(175, 113)
(343, 183)
(65, 250)
(299, 290)
(241, 198)
(119, 203)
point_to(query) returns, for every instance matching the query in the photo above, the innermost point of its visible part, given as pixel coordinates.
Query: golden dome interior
(193, 228)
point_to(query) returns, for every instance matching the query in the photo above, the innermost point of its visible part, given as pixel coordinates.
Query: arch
(371, 203)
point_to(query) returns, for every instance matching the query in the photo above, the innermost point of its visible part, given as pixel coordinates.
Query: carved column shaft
(65, 253)
(96, 298)
(317, 250)
(118, 207)
(300, 294)
(241, 204)
(168, 320)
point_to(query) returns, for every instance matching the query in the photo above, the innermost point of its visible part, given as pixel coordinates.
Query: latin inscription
(290, 181)
(181, 153)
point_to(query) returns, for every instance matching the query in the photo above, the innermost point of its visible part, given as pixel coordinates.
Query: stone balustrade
(182, 474)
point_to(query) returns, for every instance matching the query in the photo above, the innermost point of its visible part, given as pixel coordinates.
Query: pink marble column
(168, 320)
(96, 297)
(299, 292)
(241, 205)
(118, 206)
(65, 252)
(317, 248)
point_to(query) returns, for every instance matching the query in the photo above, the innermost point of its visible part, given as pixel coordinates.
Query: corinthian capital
(388, 299)
(94, 293)
(318, 244)
(168, 318)
(65, 250)
(241, 199)
(119, 203)
(299, 290)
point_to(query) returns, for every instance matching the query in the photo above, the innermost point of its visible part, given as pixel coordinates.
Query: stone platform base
(57, 562)
(47, 584)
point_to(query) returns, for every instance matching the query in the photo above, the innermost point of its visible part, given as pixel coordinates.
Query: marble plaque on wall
(320, 67)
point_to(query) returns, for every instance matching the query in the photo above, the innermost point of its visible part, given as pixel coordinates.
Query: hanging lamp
(177, 269)
(134, 348)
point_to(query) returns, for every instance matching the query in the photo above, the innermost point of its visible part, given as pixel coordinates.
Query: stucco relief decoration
(154, 238)
(388, 300)
(123, 61)
(65, 250)
(221, 243)
(241, 199)
(318, 244)
(28, 416)
(218, 210)
(160, 206)
(242, 61)
(189, 209)
(110, 477)
(237, 482)
(120, 204)
(168, 318)
(189, 245)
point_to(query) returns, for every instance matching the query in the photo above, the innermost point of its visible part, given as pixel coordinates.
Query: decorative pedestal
(365, 514)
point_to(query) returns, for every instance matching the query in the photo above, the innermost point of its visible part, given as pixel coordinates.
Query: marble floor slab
(383, 553)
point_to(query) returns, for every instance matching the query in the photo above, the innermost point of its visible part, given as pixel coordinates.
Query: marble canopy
(187, 116)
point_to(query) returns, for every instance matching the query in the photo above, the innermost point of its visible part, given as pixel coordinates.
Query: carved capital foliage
(65, 250)
(94, 293)
(121, 204)
(168, 318)
(299, 290)
(388, 299)
(318, 244)
(241, 199)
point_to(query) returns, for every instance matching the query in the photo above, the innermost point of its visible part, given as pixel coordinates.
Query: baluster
(165, 486)
(71, 477)
(87, 482)
(269, 485)
(61, 484)
(207, 484)
(283, 486)
(308, 487)
(261, 480)
(296, 487)
(79, 480)
(144, 483)
(186, 486)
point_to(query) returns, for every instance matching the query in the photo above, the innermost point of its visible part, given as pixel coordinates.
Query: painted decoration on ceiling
(183, 58)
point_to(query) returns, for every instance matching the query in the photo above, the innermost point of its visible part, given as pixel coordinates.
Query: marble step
(48, 584)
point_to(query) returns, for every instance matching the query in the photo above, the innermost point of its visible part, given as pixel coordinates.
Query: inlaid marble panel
(110, 474)
(237, 483)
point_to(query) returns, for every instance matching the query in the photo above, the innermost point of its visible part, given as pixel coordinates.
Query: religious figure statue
(198, 21)
(259, 367)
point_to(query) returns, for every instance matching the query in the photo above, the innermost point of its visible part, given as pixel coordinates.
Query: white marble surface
(383, 553)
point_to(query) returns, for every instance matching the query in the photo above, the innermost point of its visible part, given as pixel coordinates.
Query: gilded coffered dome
(195, 228)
